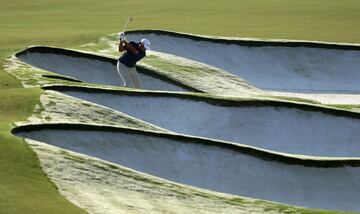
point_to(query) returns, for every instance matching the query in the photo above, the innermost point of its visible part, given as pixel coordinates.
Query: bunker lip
(267, 155)
(264, 179)
(213, 100)
(293, 128)
(273, 65)
(62, 78)
(252, 42)
(82, 66)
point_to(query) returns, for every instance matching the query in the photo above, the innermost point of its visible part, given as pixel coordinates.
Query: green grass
(7, 81)
(65, 22)
(347, 107)
(24, 187)
(18, 109)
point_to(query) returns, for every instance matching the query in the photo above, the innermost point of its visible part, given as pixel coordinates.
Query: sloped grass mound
(23, 185)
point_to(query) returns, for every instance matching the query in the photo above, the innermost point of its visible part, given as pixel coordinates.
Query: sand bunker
(214, 166)
(309, 68)
(302, 69)
(281, 127)
(91, 68)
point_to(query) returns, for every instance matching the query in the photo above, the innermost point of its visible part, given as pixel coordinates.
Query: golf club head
(127, 22)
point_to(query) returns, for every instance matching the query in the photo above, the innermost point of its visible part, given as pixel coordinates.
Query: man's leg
(126, 71)
(135, 78)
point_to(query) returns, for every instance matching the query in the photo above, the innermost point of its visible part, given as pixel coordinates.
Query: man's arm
(130, 47)
(121, 46)
(124, 45)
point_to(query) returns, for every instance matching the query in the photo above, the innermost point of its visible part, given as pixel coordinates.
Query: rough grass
(7, 81)
(24, 187)
(17, 104)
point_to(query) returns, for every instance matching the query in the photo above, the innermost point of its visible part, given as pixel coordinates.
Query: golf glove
(122, 36)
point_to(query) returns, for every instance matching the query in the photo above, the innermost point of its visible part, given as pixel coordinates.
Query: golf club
(117, 66)
(121, 76)
(127, 22)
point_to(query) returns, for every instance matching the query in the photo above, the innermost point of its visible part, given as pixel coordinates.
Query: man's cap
(146, 43)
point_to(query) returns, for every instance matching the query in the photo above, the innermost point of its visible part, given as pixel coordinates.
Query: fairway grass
(68, 23)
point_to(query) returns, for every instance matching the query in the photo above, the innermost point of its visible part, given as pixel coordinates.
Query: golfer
(126, 63)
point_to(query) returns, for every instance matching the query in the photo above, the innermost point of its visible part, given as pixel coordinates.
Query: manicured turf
(65, 22)
(24, 187)
(7, 81)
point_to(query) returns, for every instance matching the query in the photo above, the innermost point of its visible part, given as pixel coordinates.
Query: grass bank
(24, 187)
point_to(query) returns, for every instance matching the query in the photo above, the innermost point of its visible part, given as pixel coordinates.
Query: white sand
(289, 69)
(281, 129)
(98, 186)
(90, 70)
(215, 168)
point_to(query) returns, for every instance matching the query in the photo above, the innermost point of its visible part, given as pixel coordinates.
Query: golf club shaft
(127, 22)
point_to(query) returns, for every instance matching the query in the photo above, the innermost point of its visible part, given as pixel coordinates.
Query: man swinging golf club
(126, 64)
